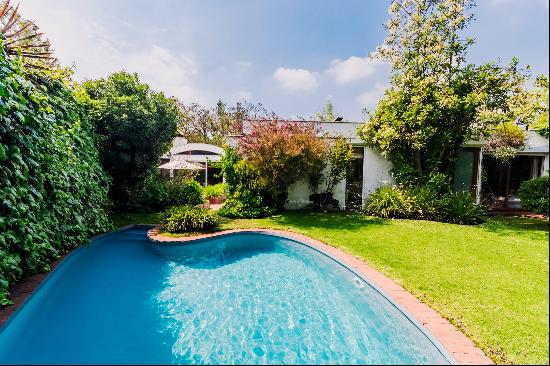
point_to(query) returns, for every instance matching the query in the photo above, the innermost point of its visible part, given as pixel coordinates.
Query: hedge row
(53, 192)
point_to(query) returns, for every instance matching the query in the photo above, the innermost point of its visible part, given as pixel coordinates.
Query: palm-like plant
(21, 37)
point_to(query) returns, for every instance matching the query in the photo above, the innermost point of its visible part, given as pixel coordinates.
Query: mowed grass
(491, 280)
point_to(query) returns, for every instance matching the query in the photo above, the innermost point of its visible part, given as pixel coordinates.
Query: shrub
(215, 191)
(244, 204)
(460, 208)
(424, 202)
(155, 194)
(188, 192)
(534, 194)
(149, 196)
(389, 202)
(247, 195)
(180, 219)
(282, 153)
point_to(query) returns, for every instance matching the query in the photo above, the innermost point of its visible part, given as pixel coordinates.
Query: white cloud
(96, 52)
(370, 98)
(296, 79)
(353, 68)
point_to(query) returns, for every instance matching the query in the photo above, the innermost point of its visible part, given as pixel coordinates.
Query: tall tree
(135, 126)
(212, 125)
(435, 100)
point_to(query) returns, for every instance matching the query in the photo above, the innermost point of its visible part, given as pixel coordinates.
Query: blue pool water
(239, 299)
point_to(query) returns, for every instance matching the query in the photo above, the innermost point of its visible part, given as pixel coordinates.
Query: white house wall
(299, 192)
(376, 171)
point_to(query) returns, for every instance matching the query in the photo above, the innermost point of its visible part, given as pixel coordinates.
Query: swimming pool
(239, 299)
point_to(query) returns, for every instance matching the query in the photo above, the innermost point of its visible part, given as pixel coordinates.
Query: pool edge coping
(462, 350)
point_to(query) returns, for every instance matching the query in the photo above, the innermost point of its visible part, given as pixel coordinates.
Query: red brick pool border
(464, 351)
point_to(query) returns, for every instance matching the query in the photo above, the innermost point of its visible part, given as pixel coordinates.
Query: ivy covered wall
(53, 191)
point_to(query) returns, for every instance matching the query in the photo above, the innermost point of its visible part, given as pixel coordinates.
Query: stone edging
(462, 349)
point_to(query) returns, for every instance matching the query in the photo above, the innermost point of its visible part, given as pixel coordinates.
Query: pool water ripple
(238, 299)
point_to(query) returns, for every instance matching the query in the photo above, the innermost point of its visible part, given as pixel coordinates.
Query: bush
(460, 208)
(247, 196)
(180, 219)
(188, 192)
(389, 202)
(136, 126)
(149, 196)
(215, 191)
(534, 194)
(425, 202)
(156, 194)
(53, 191)
(244, 204)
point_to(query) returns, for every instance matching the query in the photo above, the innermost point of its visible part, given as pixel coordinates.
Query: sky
(290, 55)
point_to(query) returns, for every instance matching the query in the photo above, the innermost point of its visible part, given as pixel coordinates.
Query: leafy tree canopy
(435, 100)
(135, 126)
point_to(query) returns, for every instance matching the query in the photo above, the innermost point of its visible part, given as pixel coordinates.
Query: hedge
(53, 192)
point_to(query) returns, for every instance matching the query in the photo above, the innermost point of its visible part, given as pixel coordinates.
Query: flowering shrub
(281, 153)
(504, 141)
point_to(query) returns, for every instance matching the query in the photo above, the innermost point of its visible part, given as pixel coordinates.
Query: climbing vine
(53, 192)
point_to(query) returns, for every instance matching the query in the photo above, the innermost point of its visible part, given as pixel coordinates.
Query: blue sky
(290, 55)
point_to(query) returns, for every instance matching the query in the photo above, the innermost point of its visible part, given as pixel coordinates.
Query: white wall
(299, 192)
(376, 171)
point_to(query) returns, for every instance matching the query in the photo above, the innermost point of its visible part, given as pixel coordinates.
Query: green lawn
(491, 281)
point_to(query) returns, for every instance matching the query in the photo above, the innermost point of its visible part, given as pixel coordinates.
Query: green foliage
(389, 202)
(215, 191)
(156, 193)
(433, 201)
(533, 194)
(340, 157)
(53, 194)
(135, 127)
(435, 100)
(181, 219)
(461, 208)
(185, 193)
(149, 196)
(541, 125)
(246, 195)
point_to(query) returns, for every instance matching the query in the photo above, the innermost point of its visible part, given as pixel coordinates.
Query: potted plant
(215, 194)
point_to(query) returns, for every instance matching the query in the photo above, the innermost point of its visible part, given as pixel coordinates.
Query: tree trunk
(418, 161)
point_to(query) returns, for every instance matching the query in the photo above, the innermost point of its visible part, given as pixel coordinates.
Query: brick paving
(464, 351)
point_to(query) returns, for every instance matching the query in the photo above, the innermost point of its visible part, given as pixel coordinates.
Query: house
(495, 183)
(193, 156)
(370, 168)
(476, 170)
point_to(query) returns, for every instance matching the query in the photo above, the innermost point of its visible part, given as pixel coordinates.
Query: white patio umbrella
(178, 164)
